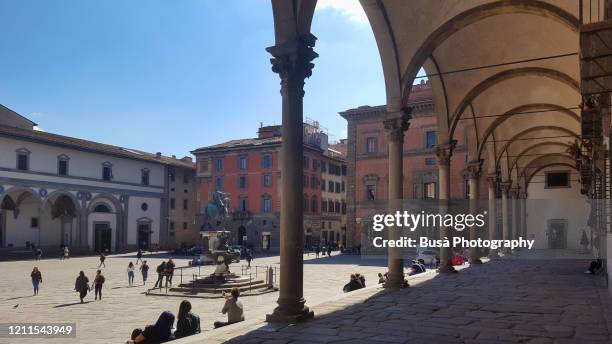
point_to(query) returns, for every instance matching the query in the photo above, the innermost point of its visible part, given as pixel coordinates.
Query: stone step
(219, 289)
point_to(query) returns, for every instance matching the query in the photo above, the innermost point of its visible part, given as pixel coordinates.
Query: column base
(281, 316)
(396, 284)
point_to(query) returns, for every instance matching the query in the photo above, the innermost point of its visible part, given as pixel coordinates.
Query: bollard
(270, 278)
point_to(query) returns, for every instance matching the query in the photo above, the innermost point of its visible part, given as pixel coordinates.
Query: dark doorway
(557, 234)
(241, 235)
(102, 237)
(144, 236)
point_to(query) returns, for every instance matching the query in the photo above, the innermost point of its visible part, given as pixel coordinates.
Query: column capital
(515, 191)
(505, 186)
(445, 151)
(492, 180)
(474, 169)
(292, 61)
(396, 123)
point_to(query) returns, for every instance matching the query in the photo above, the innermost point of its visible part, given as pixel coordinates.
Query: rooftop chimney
(158, 155)
(187, 159)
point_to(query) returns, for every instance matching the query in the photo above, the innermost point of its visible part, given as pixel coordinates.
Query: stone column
(523, 198)
(492, 181)
(474, 170)
(395, 125)
(291, 60)
(444, 153)
(516, 225)
(506, 230)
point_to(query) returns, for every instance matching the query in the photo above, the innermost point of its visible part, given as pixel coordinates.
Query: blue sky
(172, 76)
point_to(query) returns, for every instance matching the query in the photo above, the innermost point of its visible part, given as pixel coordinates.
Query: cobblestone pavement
(123, 308)
(505, 301)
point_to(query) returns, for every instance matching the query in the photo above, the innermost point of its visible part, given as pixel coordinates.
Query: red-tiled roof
(75, 143)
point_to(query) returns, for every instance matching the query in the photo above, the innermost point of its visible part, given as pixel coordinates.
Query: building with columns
(367, 155)
(522, 85)
(249, 171)
(59, 190)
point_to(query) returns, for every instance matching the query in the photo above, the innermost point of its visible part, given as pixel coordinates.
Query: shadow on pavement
(71, 304)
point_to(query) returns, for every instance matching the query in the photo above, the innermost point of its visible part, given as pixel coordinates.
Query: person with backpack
(98, 283)
(169, 271)
(161, 271)
(139, 256)
(144, 269)
(102, 259)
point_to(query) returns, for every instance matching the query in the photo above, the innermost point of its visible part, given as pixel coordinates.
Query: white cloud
(350, 8)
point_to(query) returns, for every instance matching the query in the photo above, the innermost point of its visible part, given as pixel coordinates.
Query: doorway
(102, 237)
(557, 234)
(144, 236)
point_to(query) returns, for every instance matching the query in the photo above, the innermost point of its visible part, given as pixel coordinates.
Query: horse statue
(217, 210)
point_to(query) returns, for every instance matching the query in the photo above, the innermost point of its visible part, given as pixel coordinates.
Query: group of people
(81, 285)
(187, 323)
(327, 250)
(357, 281)
(165, 269)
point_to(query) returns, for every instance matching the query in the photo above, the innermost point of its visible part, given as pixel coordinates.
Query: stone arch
(473, 15)
(21, 190)
(505, 75)
(58, 193)
(537, 145)
(531, 130)
(527, 107)
(106, 199)
(540, 168)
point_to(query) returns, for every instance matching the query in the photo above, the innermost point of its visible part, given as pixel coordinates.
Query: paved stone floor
(513, 301)
(123, 308)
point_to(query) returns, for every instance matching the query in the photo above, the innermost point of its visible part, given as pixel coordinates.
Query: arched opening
(20, 218)
(101, 208)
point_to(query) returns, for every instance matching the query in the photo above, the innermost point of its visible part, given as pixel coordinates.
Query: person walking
(66, 252)
(102, 259)
(329, 251)
(169, 271)
(144, 269)
(98, 283)
(38, 253)
(36, 279)
(161, 271)
(139, 256)
(82, 285)
(317, 251)
(249, 258)
(130, 272)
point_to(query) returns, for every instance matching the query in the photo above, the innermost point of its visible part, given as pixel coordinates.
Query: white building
(58, 190)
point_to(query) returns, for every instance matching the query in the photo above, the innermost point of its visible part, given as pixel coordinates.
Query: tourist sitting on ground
(353, 284)
(187, 323)
(161, 332)
(595, 267)
(361, 279)
(232, 307)
(382, 278)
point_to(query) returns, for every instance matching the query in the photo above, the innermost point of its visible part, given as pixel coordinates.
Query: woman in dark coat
(187, 323)
(82, 285)
(161, 332)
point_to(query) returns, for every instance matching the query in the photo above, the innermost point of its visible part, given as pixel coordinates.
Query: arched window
(101, 208)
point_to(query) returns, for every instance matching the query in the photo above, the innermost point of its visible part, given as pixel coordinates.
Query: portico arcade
(511, 69)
